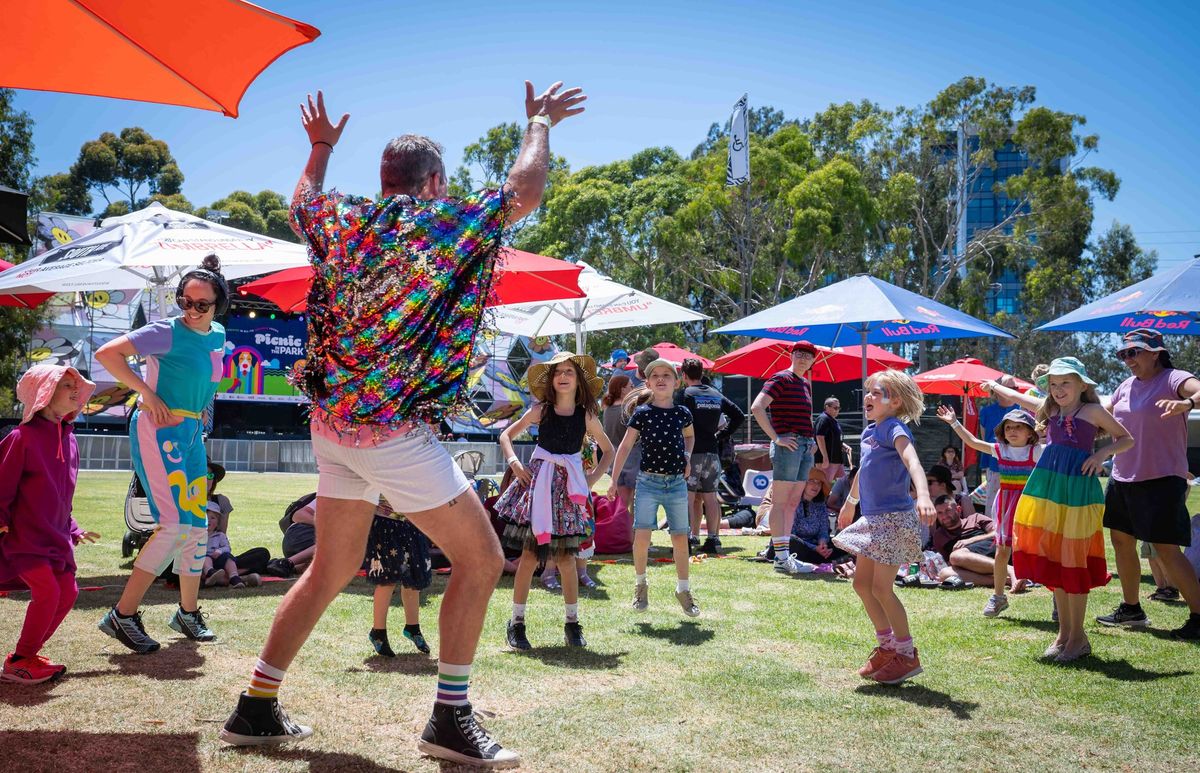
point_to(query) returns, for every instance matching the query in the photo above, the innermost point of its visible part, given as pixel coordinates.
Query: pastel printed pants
(171, 464)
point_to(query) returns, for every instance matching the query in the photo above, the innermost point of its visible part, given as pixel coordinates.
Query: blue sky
(658, 73)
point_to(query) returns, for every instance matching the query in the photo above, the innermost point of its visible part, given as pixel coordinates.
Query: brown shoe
(899, 668)
(878, 659)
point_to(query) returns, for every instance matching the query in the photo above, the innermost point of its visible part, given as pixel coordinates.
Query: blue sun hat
(1064, 366)
(1016, 416)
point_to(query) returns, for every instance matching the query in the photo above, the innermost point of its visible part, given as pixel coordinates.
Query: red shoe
(33, 670)
(899, 668)
(878, 659)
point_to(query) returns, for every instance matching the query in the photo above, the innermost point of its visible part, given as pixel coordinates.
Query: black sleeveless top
(562, 434)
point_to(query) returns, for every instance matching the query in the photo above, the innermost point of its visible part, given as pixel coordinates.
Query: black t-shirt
(707, 404)
(661, 433)
(562, 434)
(828, 428)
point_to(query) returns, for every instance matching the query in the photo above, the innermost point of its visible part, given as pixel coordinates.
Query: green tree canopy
(130, 168)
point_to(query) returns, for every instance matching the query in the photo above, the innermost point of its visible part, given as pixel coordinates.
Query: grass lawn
(763, 680)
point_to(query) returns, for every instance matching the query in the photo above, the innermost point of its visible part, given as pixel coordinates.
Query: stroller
(139, 523)
(470, 462)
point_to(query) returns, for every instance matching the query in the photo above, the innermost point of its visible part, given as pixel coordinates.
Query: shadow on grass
(686, 634)
(179, 661)
(318, 761)
(920, 695)
(1042, 625)
(1121, 670)
(413, 663)
(64, 750)
(573, 657)
(24, 695)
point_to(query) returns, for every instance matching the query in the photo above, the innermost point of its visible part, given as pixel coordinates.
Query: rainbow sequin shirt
(398, 295)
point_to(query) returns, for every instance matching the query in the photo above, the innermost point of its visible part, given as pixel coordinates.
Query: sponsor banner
(260, 353)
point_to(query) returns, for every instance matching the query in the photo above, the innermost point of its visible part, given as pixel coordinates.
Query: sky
(659, 72)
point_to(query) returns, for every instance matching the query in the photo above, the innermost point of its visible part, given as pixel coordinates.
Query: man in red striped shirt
(784, 411)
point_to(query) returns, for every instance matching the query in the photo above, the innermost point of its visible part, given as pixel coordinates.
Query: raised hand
(316, 122)
(947, 414)
(552, 104)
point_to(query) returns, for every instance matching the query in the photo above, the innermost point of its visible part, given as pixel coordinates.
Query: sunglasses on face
(203, 307)
(1127, 354)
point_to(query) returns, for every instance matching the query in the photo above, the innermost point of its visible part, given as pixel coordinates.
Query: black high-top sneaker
(259, 721)
(574, 635)
(454, 734)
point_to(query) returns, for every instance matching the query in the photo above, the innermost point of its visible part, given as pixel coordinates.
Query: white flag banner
(737, 171)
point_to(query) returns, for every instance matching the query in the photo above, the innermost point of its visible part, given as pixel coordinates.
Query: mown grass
(763, 680)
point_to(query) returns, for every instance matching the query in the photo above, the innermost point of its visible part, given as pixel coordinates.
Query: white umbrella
(151, 247)
(609, 305)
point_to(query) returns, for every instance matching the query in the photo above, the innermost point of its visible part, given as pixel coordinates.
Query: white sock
(682, 585)
(518, 613)
(572, 612)
(641, 578)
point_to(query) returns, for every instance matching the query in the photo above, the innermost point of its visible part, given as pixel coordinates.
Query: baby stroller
(139, 522)
(470, 463)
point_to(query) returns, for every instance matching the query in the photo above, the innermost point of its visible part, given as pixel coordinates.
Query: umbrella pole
(863, 402)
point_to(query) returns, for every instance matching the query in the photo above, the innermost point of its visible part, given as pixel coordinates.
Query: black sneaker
(711, 546)
(128, 630)
(454, 734)
(1190, 630)
(1130, 616)
(516, 636)
(259, 721)
(192, 625)
(574, 635)
(379, 640)
(1165, 594)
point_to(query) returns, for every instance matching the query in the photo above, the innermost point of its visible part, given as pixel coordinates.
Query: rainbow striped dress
(1058, 539)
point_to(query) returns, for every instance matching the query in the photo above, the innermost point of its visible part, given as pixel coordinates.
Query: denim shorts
(669, 491)
(792, 466)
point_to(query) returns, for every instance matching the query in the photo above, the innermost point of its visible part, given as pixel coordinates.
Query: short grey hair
(408, 161)
(831, 401)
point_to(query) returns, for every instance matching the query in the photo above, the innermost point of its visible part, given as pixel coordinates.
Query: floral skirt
(571, 523)
(892, 539)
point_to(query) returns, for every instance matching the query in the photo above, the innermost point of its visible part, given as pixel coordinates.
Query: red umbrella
(198, 53)
(26, 300)
(676, 354)
(961, 378)
(766, 357)
(521, 277)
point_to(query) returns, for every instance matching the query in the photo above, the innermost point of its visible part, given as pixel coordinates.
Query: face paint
(887, 394)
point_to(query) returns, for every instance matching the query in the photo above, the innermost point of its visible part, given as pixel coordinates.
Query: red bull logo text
(790, 331)
(1158, 320)
(910, 330)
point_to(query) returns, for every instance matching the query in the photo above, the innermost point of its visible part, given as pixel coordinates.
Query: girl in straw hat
(546, 509)
(1058, 538)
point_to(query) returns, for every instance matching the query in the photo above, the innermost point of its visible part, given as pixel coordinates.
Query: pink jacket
(540, 516)
(39, 461)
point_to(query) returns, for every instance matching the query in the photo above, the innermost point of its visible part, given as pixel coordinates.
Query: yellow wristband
(544, 120)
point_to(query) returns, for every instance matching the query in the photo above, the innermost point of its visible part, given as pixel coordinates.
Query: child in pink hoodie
(39, 461)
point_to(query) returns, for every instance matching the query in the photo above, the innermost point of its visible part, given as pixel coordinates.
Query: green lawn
(763, 680)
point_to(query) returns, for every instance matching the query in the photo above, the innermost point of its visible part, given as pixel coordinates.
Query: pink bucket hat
(36, 388)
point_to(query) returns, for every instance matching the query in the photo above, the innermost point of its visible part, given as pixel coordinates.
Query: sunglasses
(1128, 354)
(203, 307)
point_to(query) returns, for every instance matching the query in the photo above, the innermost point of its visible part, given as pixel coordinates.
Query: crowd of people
(399, 289)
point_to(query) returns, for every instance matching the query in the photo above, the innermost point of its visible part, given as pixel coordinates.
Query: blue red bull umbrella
(1168, 302)
(861, 310)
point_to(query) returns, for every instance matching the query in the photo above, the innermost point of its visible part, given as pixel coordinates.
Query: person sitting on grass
(220, 567)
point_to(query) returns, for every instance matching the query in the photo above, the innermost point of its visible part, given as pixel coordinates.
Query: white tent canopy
(151, 247)
(609, 305)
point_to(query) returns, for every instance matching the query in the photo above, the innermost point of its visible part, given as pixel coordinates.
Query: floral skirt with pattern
(570, 522)
(887, 538)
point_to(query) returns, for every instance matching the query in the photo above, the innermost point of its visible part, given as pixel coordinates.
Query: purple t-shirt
(1160, 445)
(883, 480)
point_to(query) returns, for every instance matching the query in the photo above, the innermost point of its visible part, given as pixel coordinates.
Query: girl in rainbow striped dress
(1057, 533)
(1017, 451)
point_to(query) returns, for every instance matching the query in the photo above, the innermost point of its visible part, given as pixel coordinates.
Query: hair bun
(211, 263)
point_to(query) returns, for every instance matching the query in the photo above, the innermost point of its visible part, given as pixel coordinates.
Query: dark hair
(941, 473)
(615, 385)
(1164, 359)
(943, 499)
(209, 271)
(692, 368)
(957, 456)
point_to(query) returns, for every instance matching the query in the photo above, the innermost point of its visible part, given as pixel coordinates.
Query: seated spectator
(810, 527)
(968, 544)
(299, 537)
(220, 567)
(941, 482)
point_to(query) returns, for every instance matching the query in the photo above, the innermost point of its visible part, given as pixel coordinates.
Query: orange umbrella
(194, 53)
(766, 357)
(961, 378)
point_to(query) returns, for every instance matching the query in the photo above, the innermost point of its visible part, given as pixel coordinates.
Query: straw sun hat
(539, 374)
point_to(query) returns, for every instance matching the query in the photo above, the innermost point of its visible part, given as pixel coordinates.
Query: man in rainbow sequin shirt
(399, 288)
